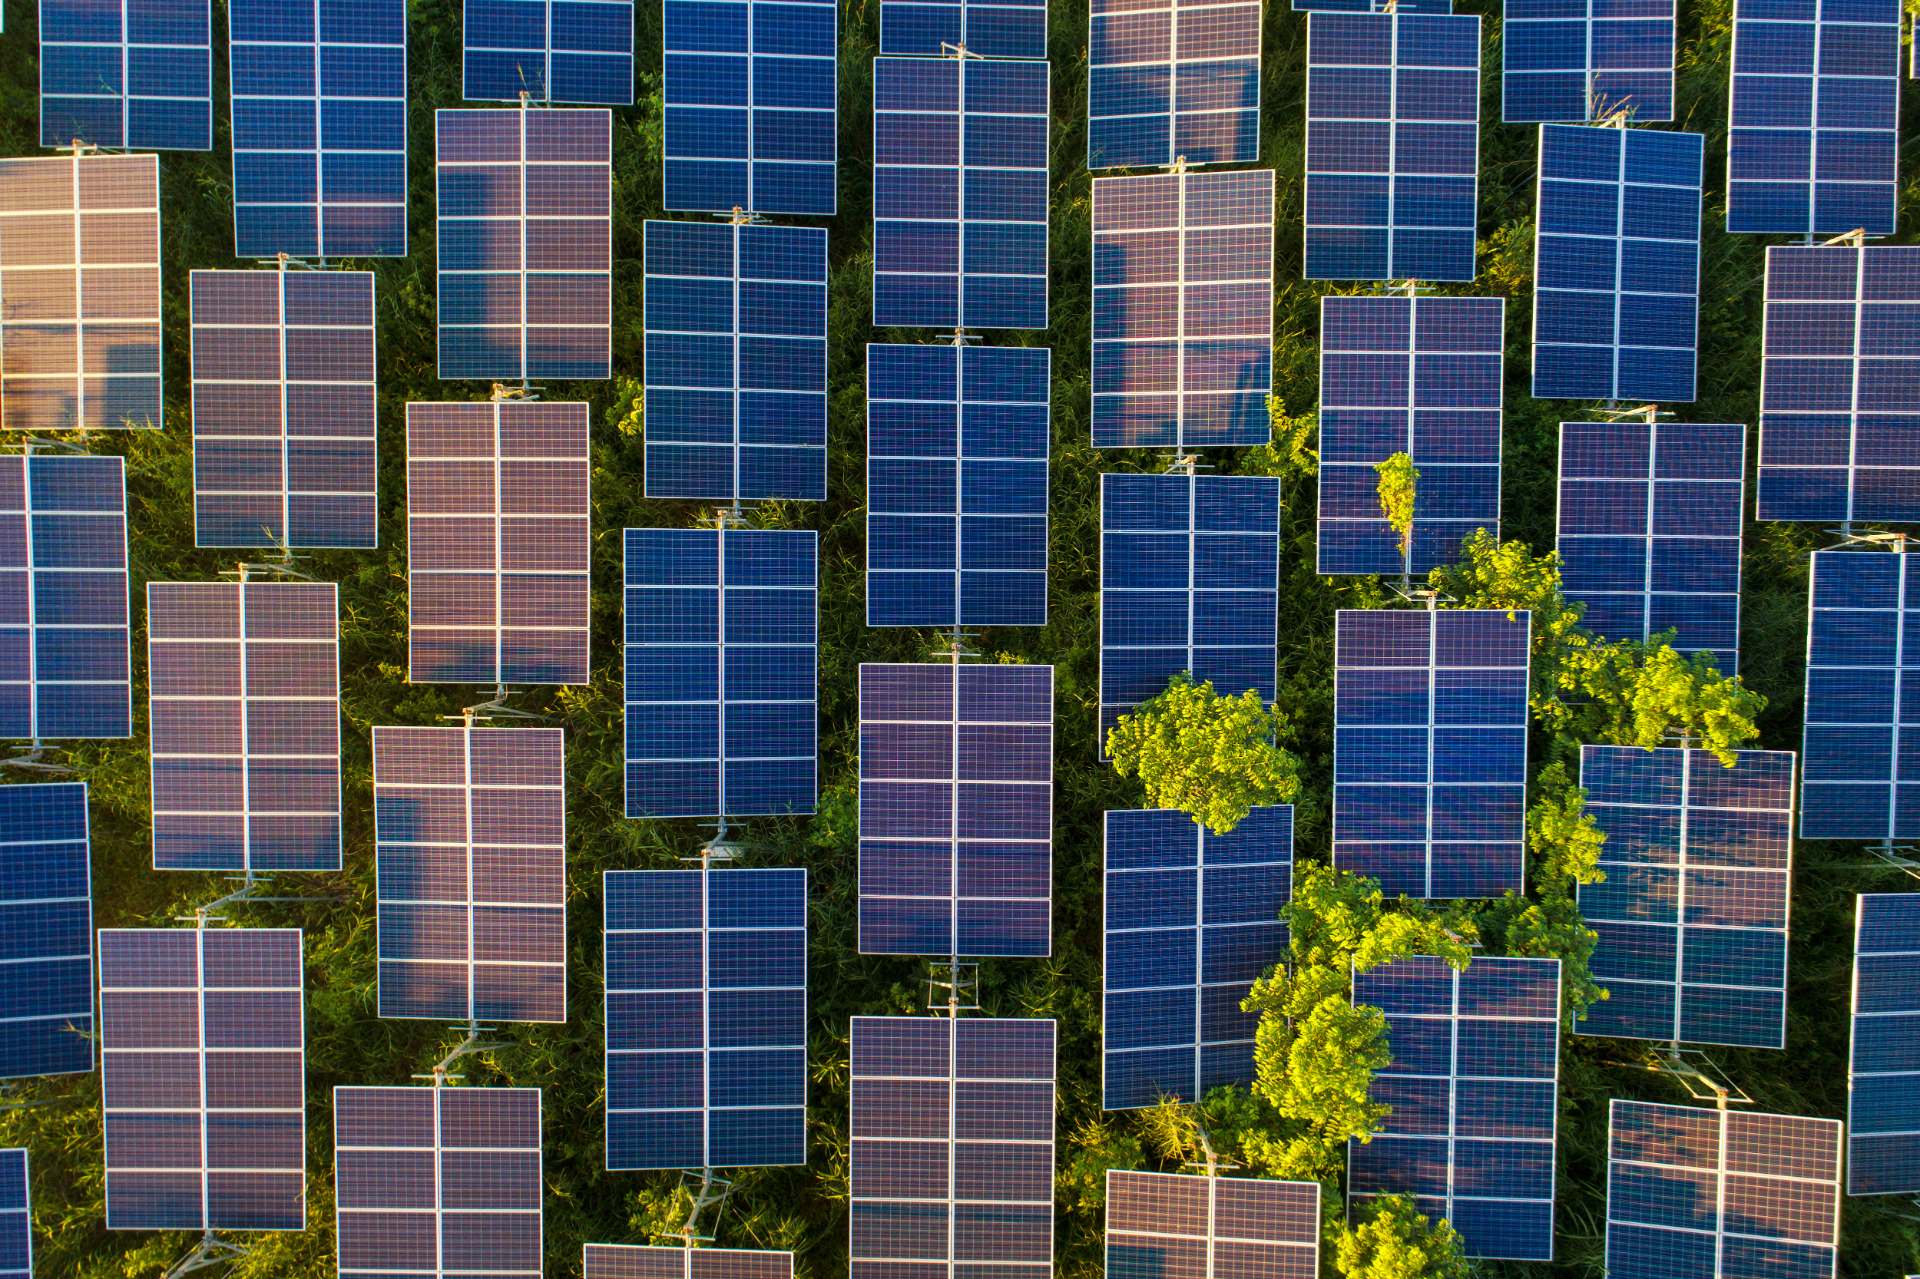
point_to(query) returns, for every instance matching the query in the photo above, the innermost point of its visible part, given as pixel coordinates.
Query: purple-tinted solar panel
(1169, 1226)
(636, 1261)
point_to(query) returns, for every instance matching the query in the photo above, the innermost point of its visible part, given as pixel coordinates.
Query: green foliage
(1399, 479)
(1210, 756)
(1562, 836)
(1394, 1240)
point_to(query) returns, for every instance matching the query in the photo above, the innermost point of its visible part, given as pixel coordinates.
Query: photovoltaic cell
(46, 932)
(1182, 310)
(1393, 146)
(1372, 6)
(1173, 80)
(470, 827)
(16, 1216)
(952, 1146)
(722, 661)
(1473, 1089)
(525, 243)
(1415, 375)
(550, 50)
(498, 546)
(1430, 750)
(285, 443)
(1165, 1224)
(706, 1018)
(135, 75)
(203, 1078)
(736, 361)
(636, 1261)
(1883, 1117)
(989, 28)
(1579, 60)
(1192, 918)
(956, 810)
(957, 447)
(959, 193)
(244, 704)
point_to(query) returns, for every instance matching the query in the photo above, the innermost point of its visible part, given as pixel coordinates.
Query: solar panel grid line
(134, 75)
(1172, 81)
(641, 1261)
(989, 28)
(582, 51)
(1172, 1223)
(46, 900)
(16, 1215)
(1586, 62)
(1883, 1059)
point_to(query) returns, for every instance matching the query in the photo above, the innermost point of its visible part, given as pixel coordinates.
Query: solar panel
(1812, 128)
(319, 127)
(736, 361)
(1473, 1090)
(1173, 80)
(1649, 531)
(526, 243)
(203, 1078)
(470, 827)
(549, 50)
(438, 1183)
(46, 931)
(1838, 412)
(1883, 1126)
(1189, 581)
(957, 447)
(1586, 60)
(1372, 6)
(722, 662)
(1414, 375)
(1192, 918)
(285, 442)
(63, 598)
(750, 95)
(1182, 310)
(959, 193)
(634, 1261)
(135, 76)
(1720, 1193)
(706, 1018)
(498, 546)
(1161, 1224)
(1393, 146)
(16, 1216)
(1430, 750)
(244, 704)
(989, 28)
(80, 333)
(952, 1146)
(956, 810)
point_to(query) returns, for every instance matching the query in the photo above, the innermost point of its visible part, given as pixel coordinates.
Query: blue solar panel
(1173, 80)
(1616, 264)
(706, 1016)
(1578, 60)
(956, 810)
(1649, 532)
(1372, 6)
(1473, 1089)
(46, 931)
(1430, 750)
(1393, 146)
(989, 28)
(135, 75)
(319, 127)
(1192, 918)
(957, 444)
(1813, 127)
(549, 50)
(671, 1261)
(63, 598)
(1189, 581)
(1838, 406)
(16, 1216)
(1182, 310)
(736, 362)
(959, 193)
(1883, 1104)
(750, 92)
(1413, 375)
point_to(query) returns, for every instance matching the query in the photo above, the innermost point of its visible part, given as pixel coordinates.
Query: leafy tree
(1289, 453)
(1394, 1240)
(1210, 756)
(1398, 480)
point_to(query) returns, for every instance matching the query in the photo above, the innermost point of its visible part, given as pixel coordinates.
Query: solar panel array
(1883, 1117)
(135, 75)
(952, 1146)
(706, 1018)
(957, 444)
(525, 243)
(46, 931)
(1182, 310)
(1393, 146)
(1616, 276)
(1649, 531)
(1720, 1192)
(1473, 1089)
(1172, 80)
(1165, 1224)
(16, 1216)
(438, 1182)
(319, 127)
(203, 1078)
(960, 193)
(1430, 750)
(470, 829)
(722, 664)
(285, 442)
(1586, 60)
(988, 28)
(956, 809)
(498, 543)
(1413, 375)
(736, 361)
(548, 50)
(639, 1261)
(244, 706)
(1192, 919)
